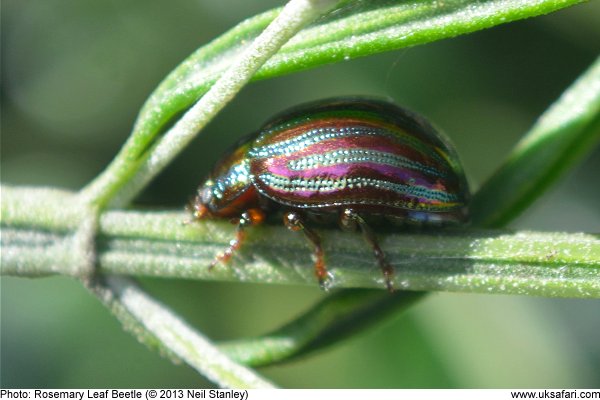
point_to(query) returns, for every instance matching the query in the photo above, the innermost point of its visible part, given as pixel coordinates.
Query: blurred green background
(74, 74)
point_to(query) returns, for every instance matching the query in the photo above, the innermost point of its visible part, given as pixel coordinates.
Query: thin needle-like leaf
(564, 134)
(154, 321)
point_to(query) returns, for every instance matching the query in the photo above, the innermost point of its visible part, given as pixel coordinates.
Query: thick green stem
(145, 243)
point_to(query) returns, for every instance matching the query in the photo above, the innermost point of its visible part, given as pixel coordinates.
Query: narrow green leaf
(338, 316)
(157, 326)
(564, 134)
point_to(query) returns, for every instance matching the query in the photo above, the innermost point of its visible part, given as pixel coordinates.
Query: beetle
(350, 159)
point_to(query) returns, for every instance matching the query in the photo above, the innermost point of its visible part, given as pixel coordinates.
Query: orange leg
(251, 217)
(293, 221)
(349, 220)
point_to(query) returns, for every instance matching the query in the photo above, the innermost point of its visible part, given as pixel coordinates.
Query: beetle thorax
(227, 193)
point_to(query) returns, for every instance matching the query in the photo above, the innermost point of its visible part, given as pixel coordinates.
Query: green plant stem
(130, 173)
(158, 244)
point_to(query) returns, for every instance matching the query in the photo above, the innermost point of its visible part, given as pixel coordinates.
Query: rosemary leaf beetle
(350, 159)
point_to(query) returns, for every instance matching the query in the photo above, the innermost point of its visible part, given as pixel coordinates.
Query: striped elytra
(346, 158)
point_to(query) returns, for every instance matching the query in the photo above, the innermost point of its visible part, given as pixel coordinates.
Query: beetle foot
(388, 275)
(225, 256)
(325, 281)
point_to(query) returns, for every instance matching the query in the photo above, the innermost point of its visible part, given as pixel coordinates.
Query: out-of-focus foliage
(74, 75)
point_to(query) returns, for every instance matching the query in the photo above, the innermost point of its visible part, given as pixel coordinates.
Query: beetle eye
(206, 194)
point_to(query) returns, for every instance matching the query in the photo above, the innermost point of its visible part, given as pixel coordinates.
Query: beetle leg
(349, 220)
(293, 221)
(254, 216)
